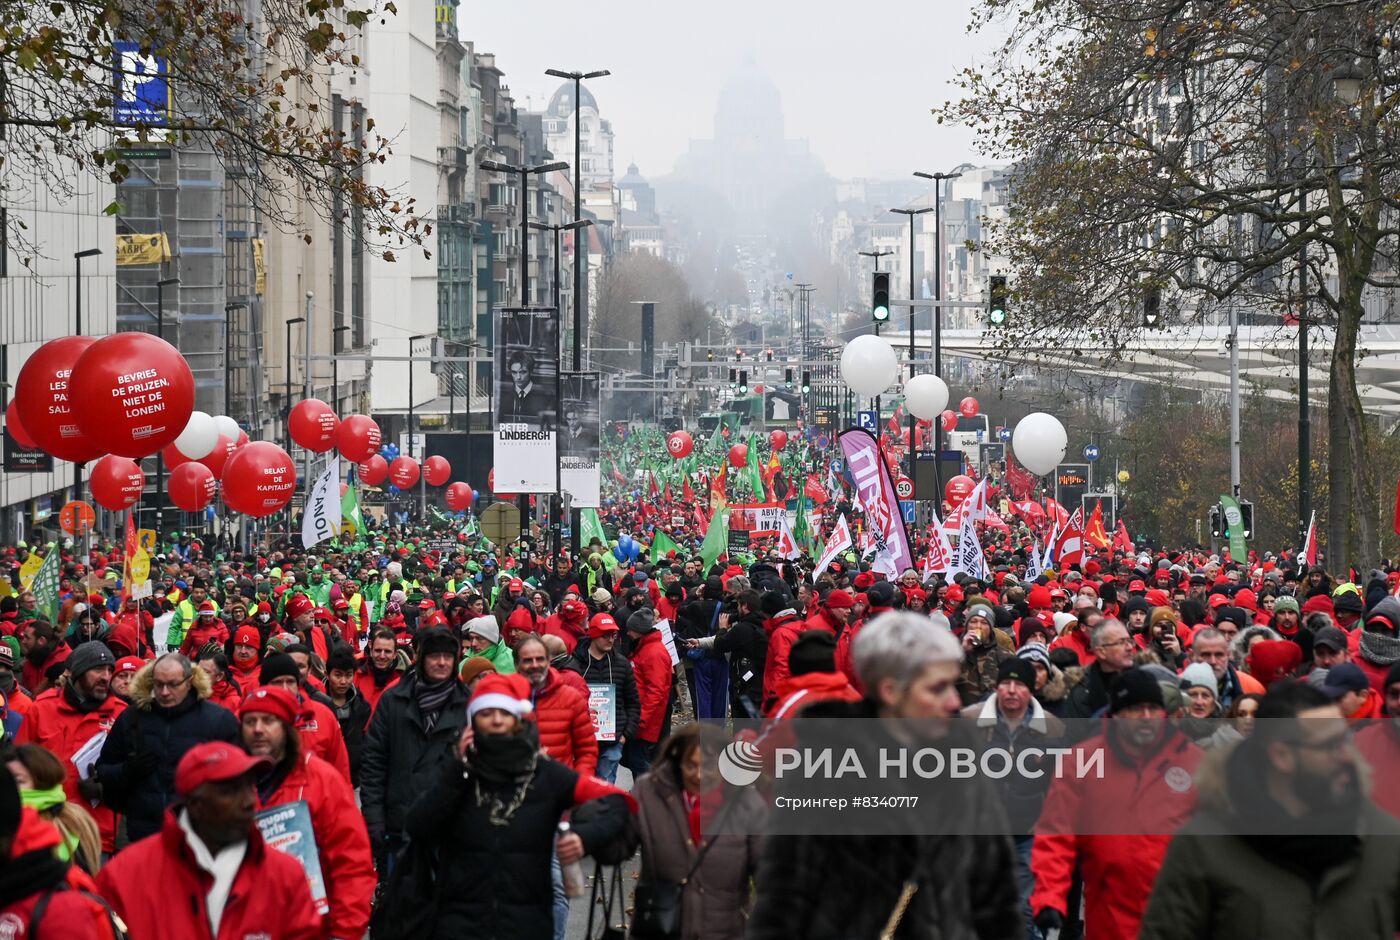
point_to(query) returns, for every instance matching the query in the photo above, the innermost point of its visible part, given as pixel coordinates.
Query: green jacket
(1216, 884)
(499, 654)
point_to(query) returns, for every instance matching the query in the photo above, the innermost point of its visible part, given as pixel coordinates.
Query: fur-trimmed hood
(142, 690)
(1213, 785)
(1056, 686)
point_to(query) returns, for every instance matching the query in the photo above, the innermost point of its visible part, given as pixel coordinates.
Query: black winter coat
(617, 669)
(169, 733)
(400, 758)
(495, 881)
(746, 642)
(354, 722)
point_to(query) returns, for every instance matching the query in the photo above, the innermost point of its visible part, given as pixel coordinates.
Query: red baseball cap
(601, 624)
(128, 664)
(299, 604)
(1137, 586)
(214, 761)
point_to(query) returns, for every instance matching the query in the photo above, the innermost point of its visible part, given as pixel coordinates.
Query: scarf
(73, 697)
(1380, 649)
(431, 698)
(41, 800)
(501, 768)
(29, 874)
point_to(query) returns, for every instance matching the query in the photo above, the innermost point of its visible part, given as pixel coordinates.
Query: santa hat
(509, 693)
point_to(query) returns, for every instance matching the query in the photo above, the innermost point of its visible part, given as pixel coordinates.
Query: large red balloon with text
(738, 455)
(259, 479)
(312, 425)
(948, 419)
(133, 393)
(968, 407)
(777, 440)
(459, 496)
(373, 471)
(437, 469)
(679, 444)
(173, 458)
(43, 400)
(958, 488)
(117, 482)
(403, 472)
(217, 459)
(16, 427)
(192, 486)
(358, 438)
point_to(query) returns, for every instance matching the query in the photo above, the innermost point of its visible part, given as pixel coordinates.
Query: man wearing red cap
(246, 661)
(605, 669)
(211, 857)
(268, 719)
(569, 623)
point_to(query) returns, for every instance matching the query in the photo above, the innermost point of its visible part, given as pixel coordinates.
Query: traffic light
(1247, 519)
(738, 355)
(743, 381)
(1217, 522)
(769, 354)
(880, 297)
(996, 300)
(710, 355)
(787, 378)
(1152, 307)
(733, 379)
(806, 382)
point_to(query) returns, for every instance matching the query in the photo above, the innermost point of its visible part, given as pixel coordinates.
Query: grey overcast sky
(857, 79)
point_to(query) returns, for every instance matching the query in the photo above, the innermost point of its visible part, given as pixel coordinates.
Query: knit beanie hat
(643, 620)
(485, 627)
(439, 640)
(1019, 669)
(812, 651)
(90, 655)
(277, 666)
(1272, 660)
(473, 667)
(1137, 686)
(1198, 675)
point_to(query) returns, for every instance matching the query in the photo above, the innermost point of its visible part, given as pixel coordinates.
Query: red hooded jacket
(569, 623)
(321, 735)
(845, 660)
(566, 728)
(651, 665)
(347, 863)
(783, 631)
(69, 914)
(158, 889)
(364, 681)
(1379, 743)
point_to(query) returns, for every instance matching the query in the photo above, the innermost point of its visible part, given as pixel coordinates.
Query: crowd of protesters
(447, 724)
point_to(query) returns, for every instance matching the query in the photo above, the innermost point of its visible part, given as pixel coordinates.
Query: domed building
(596, 139)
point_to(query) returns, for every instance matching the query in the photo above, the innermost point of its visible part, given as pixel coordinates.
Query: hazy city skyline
(858, 88)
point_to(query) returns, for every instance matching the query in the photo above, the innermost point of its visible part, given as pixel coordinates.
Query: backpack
(101, 910)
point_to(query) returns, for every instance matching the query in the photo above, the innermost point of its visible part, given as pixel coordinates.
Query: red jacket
(54, 723)
(845, 660)
(1376, 674)
(651, 665)
(782, 633)
(566, 729)
(32, 676)
(321, 735)
(158, 889)
(227, 694)
(568, 629)
(1077, 640)
(1116, 825)
(199, 635)
(1379, 743)
(342, 841)
(69, 914)
(795, 694)
(364, 681)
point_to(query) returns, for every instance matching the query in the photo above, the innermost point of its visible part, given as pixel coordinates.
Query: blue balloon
(393, 489)
(619, 553)
(633, 552)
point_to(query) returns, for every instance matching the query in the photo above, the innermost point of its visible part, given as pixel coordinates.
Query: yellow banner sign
(140, 567)
(145, 248)
(29, 569)
(146, 538)
(259, 266)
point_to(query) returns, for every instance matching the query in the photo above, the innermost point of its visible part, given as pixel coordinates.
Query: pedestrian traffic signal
(787, 378)
(738, 355)
(710, 355)
(880, 297)
(806, 382)
(1152, 307)
(743, 381)
(1217, 522)
(1247, 519)
(996, 300)
(769, 354)
(733, 379)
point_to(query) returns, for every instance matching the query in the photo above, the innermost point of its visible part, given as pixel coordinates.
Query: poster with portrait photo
(527, 399)
(578, 439)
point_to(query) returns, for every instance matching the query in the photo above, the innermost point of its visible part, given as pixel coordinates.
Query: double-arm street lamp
(524, 172)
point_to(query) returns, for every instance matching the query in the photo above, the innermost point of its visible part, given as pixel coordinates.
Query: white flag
(968, 557)
(840, 542)
(940, 553)
(1034, 566)
(787, 544)
(321, 520)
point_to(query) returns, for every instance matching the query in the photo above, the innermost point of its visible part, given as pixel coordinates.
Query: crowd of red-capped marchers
(390, 737)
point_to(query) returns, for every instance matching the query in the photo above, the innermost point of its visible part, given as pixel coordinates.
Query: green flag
(801, 532)
(591, 527)
(471, 528)
(660, 545)
(350, 508)
(717, 538)
(45, 585)
(755, 474)
(1234, 524)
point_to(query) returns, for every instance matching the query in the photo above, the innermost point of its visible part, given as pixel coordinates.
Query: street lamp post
(78, 257)
(412, 451)
(577, 78)
(524, 172)
(287, 383)
(938, 180)
(160, 460)
(336, 350)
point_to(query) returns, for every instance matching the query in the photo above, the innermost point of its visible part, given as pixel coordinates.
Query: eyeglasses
(1125, 641)
(160, 686)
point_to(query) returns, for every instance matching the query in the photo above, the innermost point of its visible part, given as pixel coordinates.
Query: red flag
(1020, 481)
(1310, 542)
(653, 491)
(687, 493)
(1057, 513)
(666, 493)
(1121, 541)
(1094, 532)
(130, 551)
(814, 490)
(1069, 547)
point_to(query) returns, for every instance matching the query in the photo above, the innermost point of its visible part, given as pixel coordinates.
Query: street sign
(1004, 434)
(907, 508)
(867, 420)
(1091, 452)
(501, 523)
(904, 488)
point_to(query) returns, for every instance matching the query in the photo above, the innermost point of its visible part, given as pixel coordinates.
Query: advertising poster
(527, 399)
(287, 828)
(578, 439)
(602, 708)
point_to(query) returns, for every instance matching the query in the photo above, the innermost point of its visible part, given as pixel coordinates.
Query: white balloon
(868, 365)
(226, 426)
(1039, 442)
(198, 438)
(925, 396)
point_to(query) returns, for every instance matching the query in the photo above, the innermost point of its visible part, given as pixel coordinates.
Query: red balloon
(358, 438)
(777, 440)
(242, 439)
(373, 471)
(968, 407)
(133, 393)
(42, 400)
(259, 479)
(738, 455)
(403, 472)
(459, 496)
(16, 428)
(117, 482)
(192, 486)
(958, 488)
(312, 424)
(217, 459)
(949, 419)
(437, 469)
(173, 458)
(680, 444)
